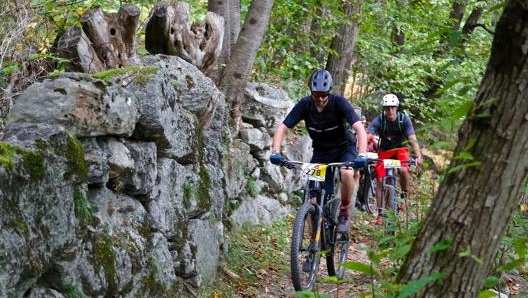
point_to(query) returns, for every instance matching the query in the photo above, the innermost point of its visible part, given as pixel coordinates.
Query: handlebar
(370, 159)
(292, 164)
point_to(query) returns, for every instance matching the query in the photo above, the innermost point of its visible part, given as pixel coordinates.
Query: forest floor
(260, 270)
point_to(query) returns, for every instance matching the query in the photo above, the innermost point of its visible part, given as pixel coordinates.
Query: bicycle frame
(317, 213)
(388, 191)
(390, 186)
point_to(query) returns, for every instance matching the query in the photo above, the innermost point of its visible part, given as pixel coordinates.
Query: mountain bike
(391, 197)
(366, 196)
(314, 230)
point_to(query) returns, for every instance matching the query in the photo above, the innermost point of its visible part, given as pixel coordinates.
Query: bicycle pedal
(341, 238)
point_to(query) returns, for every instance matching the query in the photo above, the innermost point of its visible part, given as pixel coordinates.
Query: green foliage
(140, 73)
(104, 258)
(74, 152)
(83, 208)
(309, 294)
(292, 43)
(414, 286)
(74, 291)
(252, 187)
(189, 193)
(32, 160)
(6, 155)
(252, 250)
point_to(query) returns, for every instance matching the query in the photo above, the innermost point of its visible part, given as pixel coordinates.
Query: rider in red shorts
(395, 131)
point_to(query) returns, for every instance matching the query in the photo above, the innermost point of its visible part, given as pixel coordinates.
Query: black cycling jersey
(328, 128)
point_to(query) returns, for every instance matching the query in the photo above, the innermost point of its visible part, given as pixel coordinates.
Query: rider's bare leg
(378, 194)
(349, 186)
(404, 180)
(404, 184)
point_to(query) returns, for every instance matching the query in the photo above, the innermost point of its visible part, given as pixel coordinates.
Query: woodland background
(445, 59)
(431, 53)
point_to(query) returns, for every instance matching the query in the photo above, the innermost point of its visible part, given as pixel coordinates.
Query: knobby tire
(389, 197)
(333, 253)
(302, 248)
(338, 250)
(367, 191)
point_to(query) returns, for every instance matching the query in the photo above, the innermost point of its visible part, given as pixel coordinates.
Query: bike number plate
(391, 163)
(314, 172)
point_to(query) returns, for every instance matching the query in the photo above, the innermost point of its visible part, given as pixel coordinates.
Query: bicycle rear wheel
(339, 255)
(366, 195)
(389, 197)
(304, 252)
(372, 205)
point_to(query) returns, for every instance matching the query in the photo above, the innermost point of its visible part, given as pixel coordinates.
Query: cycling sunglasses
(319, 94)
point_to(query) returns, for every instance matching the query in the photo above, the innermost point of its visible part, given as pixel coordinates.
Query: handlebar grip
(287, 164)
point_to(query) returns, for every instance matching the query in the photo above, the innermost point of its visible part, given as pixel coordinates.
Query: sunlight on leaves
(487, 294)
(361, 268)
(414, 286)
(442, 245)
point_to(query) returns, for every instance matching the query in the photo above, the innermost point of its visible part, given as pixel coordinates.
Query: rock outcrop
(113, 186)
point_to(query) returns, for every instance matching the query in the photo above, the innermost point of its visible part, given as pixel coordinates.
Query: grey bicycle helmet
(320, 80)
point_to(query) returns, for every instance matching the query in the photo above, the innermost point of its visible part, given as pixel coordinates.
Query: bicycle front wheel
(333, 254)
(304, 252)
(389, 197)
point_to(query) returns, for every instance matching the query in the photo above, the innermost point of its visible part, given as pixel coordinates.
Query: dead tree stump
(105, 41)
(169, 31)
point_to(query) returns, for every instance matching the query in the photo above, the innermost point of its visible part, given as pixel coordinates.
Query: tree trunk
(105, 41)
(475, 201)
(230, 11)
(243, 55)
(75, 46)
(319, 51)
(397, 34)
(169, 31)
(339, 64)
(458, 9)
(113, 35)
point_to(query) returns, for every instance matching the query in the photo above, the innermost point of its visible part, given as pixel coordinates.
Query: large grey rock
(118, 187)
(37, 217)
(83, 105)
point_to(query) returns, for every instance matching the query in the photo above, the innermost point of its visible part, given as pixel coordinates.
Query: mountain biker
(394, 130)
(327, 116)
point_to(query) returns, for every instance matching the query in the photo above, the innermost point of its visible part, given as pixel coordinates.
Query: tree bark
(319, 52)
(75, 46)
(128, 20)
(339, 64)
(397, 34)
(105, 41)
(243, 55)
(169, 31)
(230, 11)
(476, 199)
(113, 35)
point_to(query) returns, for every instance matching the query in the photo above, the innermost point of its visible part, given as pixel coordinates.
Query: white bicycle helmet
(390, 100)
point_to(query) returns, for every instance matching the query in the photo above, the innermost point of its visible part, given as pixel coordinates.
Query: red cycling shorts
(396, 153)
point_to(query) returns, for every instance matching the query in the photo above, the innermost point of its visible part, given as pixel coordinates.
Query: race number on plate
(314, 171)
(391, 163)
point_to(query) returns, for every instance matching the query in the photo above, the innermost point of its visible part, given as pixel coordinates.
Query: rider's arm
(416, 148)
(361, 136)
(277, 138)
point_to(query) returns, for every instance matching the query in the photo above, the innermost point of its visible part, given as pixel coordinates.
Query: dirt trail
(277, 283)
